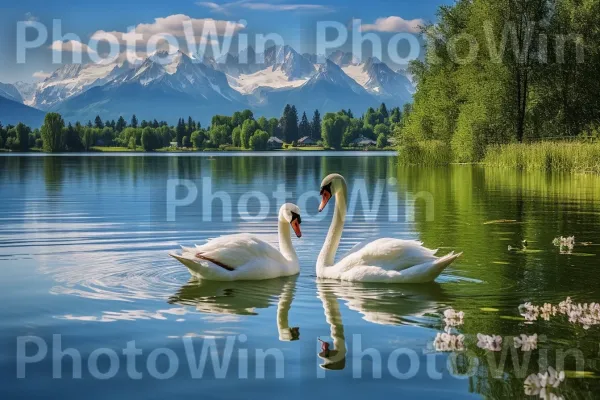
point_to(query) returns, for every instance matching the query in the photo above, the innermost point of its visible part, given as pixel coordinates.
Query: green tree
(333, 127)
(259, 139)
(315, 126)
(185, 142)
(289, 124)
(383, 111)
(381, 141)
(180, 132)
(150, 140)
(219, 135)
(98, 122)
(198, 139)
(53, 133)
(23, 132)
(72, 139)
(120, 125)
(381, 129)
(134, 121)
(88, 138)
(236, 137)
(304, 127)
(250, 126)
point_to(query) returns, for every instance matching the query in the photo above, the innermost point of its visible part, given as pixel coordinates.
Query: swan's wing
(388, 254)
(237, 250)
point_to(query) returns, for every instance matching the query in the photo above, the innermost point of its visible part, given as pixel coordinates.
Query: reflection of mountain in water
(242, 298)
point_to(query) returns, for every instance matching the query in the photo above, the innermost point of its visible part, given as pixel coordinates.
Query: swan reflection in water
(379, 304)
(242, 298)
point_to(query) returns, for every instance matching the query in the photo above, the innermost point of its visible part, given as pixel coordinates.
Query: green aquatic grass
(556, 156)
(426, 152)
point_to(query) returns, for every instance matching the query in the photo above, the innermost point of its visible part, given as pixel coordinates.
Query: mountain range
(168, 86)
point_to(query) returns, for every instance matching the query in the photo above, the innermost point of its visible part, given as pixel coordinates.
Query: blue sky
(294, 20)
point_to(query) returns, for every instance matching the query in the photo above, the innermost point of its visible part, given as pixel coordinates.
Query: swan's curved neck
(332, 241)
(285, 241)
(283, 309)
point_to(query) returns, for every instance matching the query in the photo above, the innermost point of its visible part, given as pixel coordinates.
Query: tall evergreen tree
(315, 126)
(383, 111)
(304, 127)
(290, 124)
(180, 131)
(121, 124)
(98, 122)
(134, 122)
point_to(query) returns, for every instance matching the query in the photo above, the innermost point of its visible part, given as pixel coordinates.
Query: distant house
(274, 143)
(306, 141)
(363, 142)
(173, 144)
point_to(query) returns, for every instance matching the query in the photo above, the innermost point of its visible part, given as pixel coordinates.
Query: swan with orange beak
(386, 260)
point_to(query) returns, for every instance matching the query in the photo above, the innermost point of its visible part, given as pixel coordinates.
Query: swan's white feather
(250, 258)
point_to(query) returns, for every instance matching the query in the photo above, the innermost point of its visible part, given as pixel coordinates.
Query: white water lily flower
(487, 342)
(453, 318)
(586, 314)
(526, 343)
(544, 384)
(448, 342)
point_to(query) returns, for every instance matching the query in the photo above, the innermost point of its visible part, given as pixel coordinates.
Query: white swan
(382, 260)
(244, 256)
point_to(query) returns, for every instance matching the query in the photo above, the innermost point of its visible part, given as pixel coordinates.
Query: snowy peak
(331, 73)
(293, 64)
(71, 80)
(178, 72)
(10, 92)
(379, 79)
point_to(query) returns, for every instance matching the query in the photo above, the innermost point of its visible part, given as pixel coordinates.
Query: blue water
(84, 265)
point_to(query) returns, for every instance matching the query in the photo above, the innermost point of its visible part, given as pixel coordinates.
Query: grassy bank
(580, 157)
(569, 157)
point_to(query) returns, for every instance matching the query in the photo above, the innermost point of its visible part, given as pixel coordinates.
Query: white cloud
(285, 7)
(41, 75)
(394, 24)
(213, 6)
(225, 7)
(173, 25)
(71, 46)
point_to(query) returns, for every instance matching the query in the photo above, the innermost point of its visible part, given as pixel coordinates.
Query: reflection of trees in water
(53, 172)
(501, 375)
(543, 206)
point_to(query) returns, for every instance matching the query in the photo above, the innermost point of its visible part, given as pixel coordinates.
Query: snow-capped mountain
(9, 91)
(281, 67)
(73, 79)
(380, 80)
(173, 85)
(328, 90)
(164, 85)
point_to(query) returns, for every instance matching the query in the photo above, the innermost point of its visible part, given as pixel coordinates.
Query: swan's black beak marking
(325, 196)
(295, 222)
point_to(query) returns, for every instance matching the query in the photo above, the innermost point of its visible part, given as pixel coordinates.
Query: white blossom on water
(449, 342)
(544, 385)
(526, 343)
(586, 314)
(489, 342)
(453, 318)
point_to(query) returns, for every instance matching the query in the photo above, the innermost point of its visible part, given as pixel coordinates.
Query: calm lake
(84, 265)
